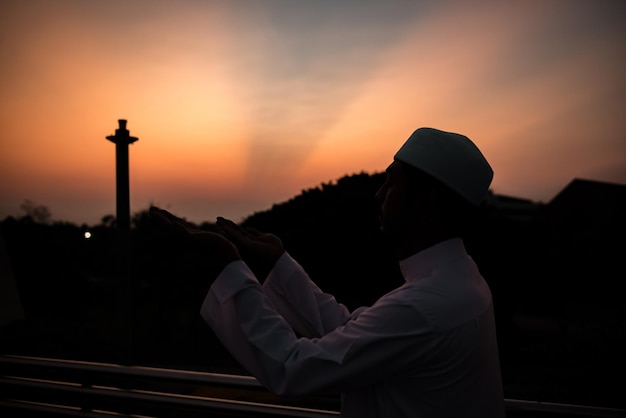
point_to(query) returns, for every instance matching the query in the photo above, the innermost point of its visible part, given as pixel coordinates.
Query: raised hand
(259, 250)
(200, 246)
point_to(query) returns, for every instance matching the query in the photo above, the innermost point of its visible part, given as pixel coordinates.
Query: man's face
(392, 199)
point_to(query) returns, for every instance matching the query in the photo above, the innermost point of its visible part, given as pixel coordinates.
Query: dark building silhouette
(593, 204)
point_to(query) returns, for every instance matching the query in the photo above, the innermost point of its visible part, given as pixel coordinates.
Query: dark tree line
(561, 338)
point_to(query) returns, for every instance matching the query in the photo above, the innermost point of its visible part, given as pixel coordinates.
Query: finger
(254, 232)
(162, 214)
(172, 218)
(158, 216)
(226, 222)
(229, 227)
(233, 232)
(183, 228)
(171, 223)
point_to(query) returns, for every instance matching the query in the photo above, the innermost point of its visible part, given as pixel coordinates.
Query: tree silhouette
(35, 212)
(536, 265)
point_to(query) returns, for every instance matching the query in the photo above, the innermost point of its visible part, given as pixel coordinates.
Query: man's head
(433, 186)
(451, 158)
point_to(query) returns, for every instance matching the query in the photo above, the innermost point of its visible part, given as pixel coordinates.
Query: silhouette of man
(426, 349)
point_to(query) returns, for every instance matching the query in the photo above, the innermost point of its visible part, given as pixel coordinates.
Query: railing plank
(27, 383)
(53, 387)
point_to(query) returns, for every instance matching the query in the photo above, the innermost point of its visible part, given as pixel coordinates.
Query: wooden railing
(41, 387)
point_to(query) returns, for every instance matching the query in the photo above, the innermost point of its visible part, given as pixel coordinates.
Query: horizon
(238, 105)
(135, 211)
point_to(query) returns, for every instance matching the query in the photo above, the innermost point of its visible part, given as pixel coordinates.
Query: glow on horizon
(241, 105)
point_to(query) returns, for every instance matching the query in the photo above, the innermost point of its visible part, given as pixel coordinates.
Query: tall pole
(122, 139)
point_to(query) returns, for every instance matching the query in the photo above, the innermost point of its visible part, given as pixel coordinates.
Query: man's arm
(306, 308)
(382, 342)
(311, 312)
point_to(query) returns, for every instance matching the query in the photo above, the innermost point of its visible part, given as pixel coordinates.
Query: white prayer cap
(451, 158)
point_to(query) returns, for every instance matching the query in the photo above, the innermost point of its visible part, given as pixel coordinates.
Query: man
(425, 349)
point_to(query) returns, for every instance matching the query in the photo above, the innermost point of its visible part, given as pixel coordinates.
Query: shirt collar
(421, 264)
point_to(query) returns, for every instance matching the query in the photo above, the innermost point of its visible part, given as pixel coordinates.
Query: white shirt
(425, 349)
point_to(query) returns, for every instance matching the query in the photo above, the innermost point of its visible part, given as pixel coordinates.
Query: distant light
(87, 234)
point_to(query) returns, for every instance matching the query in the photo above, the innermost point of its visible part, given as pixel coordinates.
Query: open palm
(198, 243)
(260, 250)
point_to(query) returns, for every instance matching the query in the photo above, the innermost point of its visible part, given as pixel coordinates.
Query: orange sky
(242, 104)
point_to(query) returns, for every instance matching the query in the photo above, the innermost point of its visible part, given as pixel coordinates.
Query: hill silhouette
(553, 268)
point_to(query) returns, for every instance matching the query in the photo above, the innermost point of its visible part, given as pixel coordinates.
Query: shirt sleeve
(381, 342)
(309, 311)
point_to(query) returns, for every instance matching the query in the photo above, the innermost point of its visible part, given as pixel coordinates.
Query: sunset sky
(239, 104)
